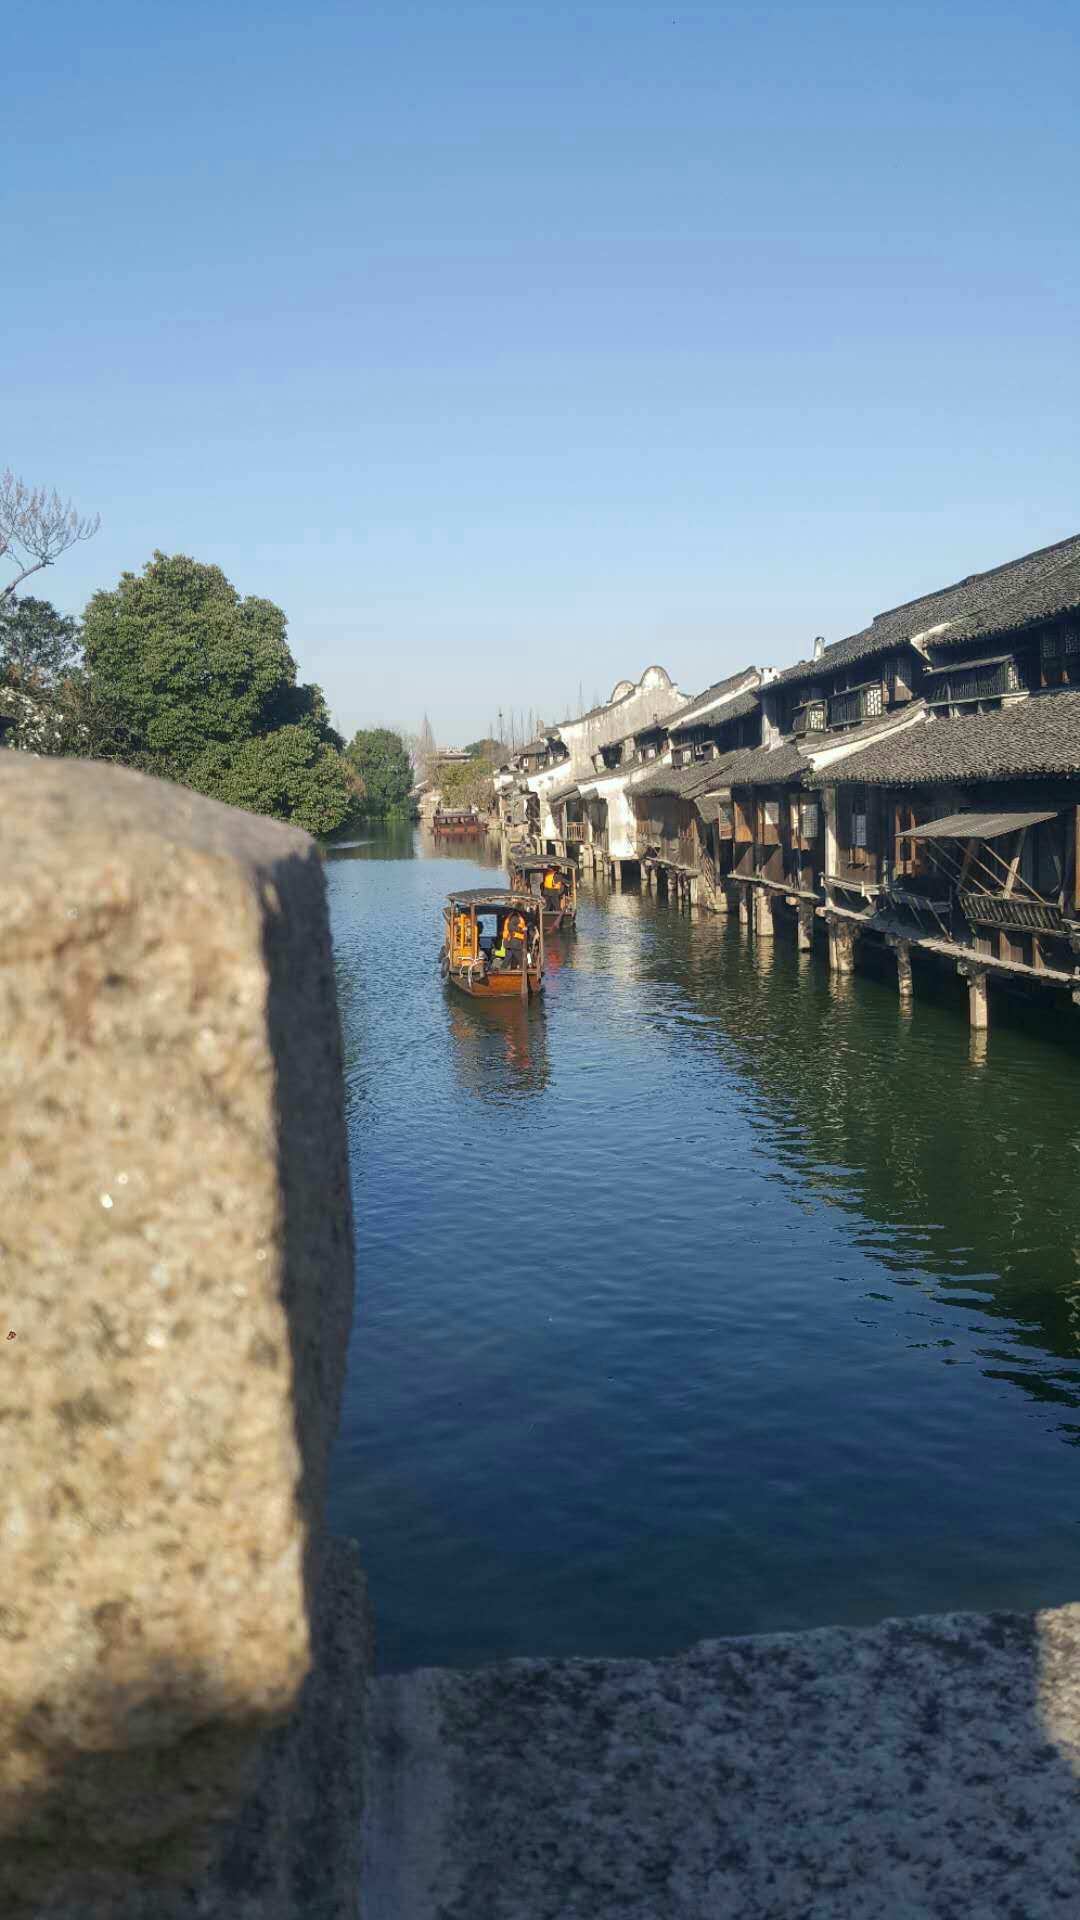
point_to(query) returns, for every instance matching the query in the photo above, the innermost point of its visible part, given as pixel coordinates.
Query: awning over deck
(711, 805)
(977, 826)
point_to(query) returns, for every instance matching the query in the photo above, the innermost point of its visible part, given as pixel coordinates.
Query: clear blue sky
(512, 347)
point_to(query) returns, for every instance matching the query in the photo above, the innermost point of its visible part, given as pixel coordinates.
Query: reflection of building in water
(499, 1052)
(887, 1119)
(479, 851)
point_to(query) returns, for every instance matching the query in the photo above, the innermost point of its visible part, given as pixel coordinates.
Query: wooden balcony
(1007, 910)
(859, 703)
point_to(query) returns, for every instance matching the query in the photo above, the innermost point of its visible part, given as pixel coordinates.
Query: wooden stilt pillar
(903, 975)
(692, 890)
(842, 938)
(805, 936)
(744, 906)
(978, 995)
(763, 916)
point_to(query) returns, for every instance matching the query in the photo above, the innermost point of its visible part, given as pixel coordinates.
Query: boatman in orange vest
(510, 951)
(553, 890)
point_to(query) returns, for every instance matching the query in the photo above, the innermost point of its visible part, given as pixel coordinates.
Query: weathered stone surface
(921, 1768)
(293, 1852)
(176, 1268)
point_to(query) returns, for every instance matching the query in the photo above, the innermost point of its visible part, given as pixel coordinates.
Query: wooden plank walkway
(951, 949)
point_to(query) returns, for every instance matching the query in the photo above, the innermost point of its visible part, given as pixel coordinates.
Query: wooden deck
(895, 930)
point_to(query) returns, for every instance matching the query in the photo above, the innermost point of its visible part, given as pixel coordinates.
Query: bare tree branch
(36, 527)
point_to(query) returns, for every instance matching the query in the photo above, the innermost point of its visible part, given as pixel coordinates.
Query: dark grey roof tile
(1036, 736)
(1003, 600)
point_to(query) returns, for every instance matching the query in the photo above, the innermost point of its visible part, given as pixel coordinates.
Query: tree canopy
(199, 685)
(382, 762)
(465, 783)
(492, 752)
(41, 687)
(37, 644)
(288, 774)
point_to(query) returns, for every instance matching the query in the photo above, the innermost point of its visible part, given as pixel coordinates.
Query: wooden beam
(1014, 864)
(969, 855)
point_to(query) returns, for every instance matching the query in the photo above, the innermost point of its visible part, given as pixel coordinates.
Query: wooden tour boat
(493, 945)
(529, 873)
(457, 822)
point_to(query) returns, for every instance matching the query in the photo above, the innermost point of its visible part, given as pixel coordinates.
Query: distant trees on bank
(195, 684)
(174, 673)
(380, 760)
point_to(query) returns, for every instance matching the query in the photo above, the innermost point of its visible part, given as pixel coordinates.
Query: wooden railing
(987, 682)
(1006, 910)
(862, 703)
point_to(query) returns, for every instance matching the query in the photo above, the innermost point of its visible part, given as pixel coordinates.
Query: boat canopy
(495, 897)
(539, 862)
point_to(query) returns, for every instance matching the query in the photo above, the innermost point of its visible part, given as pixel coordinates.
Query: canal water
(711, 1295)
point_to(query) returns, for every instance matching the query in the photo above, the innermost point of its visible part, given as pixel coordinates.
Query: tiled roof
(1006, 598)
(760, 767)
(735, 709)
(1039, 735)
(1054, 592)
(686, 716)
(684, 782)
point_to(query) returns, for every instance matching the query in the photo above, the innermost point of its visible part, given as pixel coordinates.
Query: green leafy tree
(288, 774)
(382, 762)
(465, 783)
(491, 752)
(184, 660)
(37, 644)
(40, 650)
(192, 682)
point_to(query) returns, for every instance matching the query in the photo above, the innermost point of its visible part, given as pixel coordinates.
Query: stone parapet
(924, 1767)
(177, 1272)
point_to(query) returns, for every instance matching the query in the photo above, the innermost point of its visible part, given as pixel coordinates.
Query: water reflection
(959, 1151)
(389, 840)
(481, 850)
(499, 1053)
(799, 1340)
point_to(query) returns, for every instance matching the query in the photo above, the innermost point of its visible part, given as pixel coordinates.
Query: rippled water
(712, 1295)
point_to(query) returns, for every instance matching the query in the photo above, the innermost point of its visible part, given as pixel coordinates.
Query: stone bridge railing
(182, 1647)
